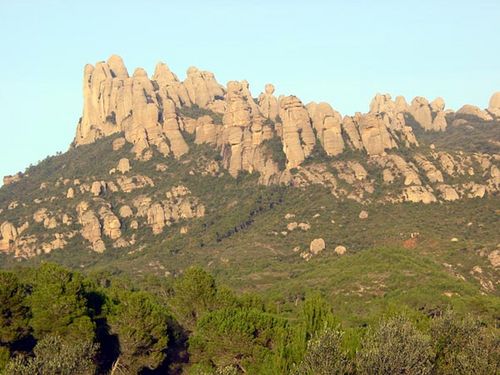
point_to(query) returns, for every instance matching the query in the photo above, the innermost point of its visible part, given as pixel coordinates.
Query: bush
(196, 112)
(275, 147)
(55, 355)
(325, 356)
(396, 347)
(463, 346)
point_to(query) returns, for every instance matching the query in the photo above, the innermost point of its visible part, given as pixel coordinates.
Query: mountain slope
(163, 174)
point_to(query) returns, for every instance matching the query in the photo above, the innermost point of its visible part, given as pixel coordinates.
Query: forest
(57, 321)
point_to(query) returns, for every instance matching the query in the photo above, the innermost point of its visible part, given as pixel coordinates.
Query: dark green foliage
(236, 336)
(14, 312)
(196, 326)
(57, 290)
(4, 357)
(275, 148)
(395, 347)
(54, 355)
(195, 294)
(318, 155)
(464, 346)
(196, 112)
(140, 324)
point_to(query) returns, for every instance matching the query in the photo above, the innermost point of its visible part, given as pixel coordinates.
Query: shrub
(325, 356)
(396, 347)
(464, 346)
(275, 147)
(55, 355)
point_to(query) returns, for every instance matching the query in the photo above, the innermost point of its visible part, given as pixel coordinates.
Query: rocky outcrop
(203, 89)
(298, 136)
(178, 205)
(494, 105)
(91, 227)
(468, 111)
(317, 245)
(169, 86)
(123, 166)
(430, 116)
(115, 102)
(374, 135)
(243, 133)
(7, 180)
(418, 194)
(8, 234)
(268, 104)
(327, 123)
(110, 223)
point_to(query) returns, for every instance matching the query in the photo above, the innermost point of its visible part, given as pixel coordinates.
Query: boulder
(110, 223)
(363, 215)
(125, 211)
(317, 246)
(123, 166)
(494, 105)
(340, 250)
(70, 193)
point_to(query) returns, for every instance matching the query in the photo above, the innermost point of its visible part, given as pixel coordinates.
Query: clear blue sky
(342, 52)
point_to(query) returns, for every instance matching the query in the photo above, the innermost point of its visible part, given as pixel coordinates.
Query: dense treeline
(55, 321)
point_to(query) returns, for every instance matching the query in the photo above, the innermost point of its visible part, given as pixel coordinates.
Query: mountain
(266, 192)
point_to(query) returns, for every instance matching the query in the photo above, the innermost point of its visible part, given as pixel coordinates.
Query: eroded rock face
(268, 103)
(430, 116)
(374, 135)
(418, 194)
(298, 136)
(110, 223)
(327, 123)
(203, 89)
(115, 102)
(243, 133)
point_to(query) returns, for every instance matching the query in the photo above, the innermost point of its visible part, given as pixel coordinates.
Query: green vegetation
(195, 112)
(275, 147)
(196, 325)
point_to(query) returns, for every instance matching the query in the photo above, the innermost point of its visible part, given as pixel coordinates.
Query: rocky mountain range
(144, 127)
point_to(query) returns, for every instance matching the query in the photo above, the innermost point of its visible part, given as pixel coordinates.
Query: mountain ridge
(143, 148)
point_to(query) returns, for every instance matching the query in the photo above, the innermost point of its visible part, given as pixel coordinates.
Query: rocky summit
(154, 156)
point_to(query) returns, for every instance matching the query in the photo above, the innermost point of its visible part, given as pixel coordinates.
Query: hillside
(267, 193)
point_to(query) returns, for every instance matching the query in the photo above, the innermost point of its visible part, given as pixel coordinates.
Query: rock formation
(494, 105)
(298, 136)
(268, 103)
(327, 123)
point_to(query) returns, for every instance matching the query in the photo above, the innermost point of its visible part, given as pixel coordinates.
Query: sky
(341, 52)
